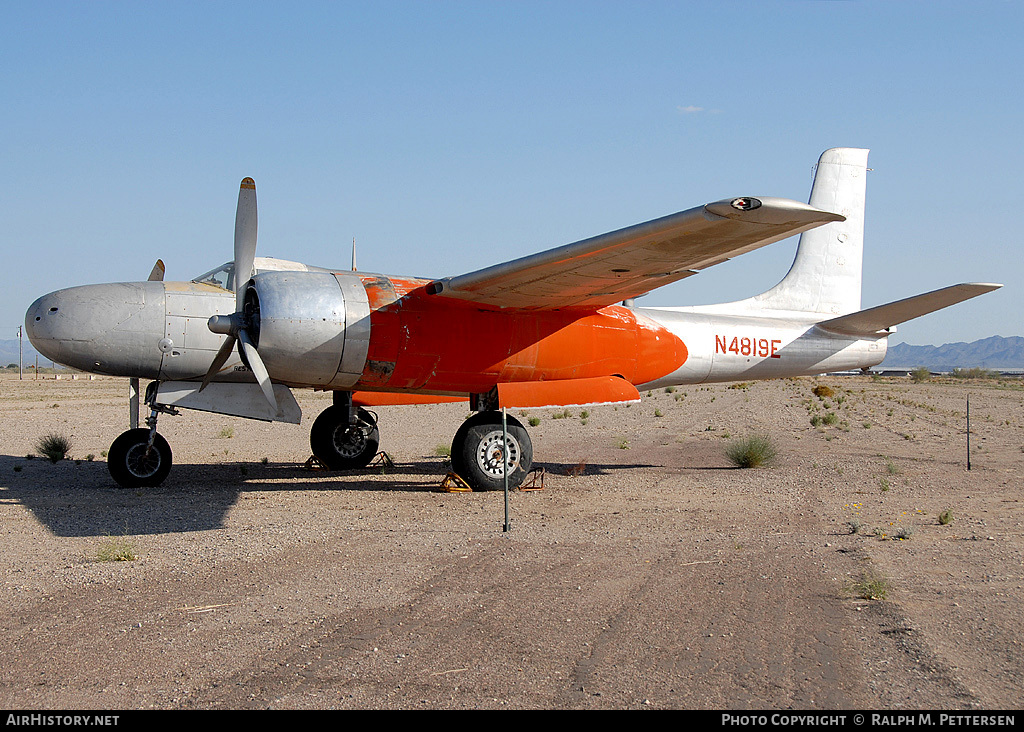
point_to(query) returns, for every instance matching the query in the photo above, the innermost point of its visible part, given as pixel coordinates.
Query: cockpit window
(222, 277)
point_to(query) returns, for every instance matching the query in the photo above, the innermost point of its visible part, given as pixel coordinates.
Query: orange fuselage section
(442, 345)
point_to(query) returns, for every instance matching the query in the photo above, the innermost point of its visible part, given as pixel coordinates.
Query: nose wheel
(136, 462)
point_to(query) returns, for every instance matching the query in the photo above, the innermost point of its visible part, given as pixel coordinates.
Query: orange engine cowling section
(422, 342)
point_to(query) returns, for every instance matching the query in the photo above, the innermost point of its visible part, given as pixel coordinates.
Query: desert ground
(647, 573)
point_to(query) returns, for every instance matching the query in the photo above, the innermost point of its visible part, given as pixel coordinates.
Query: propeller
(237, 325)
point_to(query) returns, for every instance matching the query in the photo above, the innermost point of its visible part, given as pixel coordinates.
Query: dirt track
(647, 574)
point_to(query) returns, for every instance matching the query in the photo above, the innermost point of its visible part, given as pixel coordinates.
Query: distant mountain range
(9, 354)
(989, 353)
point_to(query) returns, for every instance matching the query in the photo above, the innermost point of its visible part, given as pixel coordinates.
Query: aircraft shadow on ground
(79, 498)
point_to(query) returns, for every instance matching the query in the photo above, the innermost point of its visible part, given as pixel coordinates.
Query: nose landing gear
(141, 457)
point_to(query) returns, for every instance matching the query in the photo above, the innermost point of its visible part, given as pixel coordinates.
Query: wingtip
(770, 210)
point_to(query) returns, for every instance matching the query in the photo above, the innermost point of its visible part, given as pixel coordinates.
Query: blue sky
(448, 136)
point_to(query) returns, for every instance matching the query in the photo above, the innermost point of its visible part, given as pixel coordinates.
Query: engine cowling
(310, 328)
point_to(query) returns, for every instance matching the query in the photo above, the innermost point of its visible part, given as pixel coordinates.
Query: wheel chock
(453, 483)
(314, 464)
(534, 481)
(382, 459)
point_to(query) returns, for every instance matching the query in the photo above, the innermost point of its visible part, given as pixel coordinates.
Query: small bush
(443, 450)
(822, 392)
(920, 375)
(870, 586)
(116, 549)
(903, 533)
(54, 447)
(534, 421)
(751, 452)
(946, 517)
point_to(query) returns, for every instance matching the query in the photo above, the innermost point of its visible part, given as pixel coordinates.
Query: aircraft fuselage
(409, 340)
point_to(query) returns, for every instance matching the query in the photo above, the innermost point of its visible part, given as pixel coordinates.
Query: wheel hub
(490, 451)
(142, 460)
(350, 441)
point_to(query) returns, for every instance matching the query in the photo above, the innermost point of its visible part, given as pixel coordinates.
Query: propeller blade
(157, 275)
(258, 369)
(222, 355)
(245, 238)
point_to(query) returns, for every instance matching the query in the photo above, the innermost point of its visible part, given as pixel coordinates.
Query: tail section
(824, 282)
(825, 278)
(826, 274)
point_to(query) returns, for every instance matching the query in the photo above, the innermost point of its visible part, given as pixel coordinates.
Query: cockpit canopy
(224, 275)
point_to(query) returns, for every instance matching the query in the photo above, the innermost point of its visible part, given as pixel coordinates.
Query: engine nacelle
(310, 328)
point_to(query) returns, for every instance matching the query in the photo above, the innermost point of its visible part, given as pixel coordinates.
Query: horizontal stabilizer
(872, 321)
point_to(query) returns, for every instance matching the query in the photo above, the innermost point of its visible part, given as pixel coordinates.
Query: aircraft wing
(605, 269)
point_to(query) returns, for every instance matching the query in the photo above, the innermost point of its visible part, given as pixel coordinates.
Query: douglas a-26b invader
(543, 330)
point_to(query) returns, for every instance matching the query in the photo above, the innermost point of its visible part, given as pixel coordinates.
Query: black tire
(341, 446)
(477, 452)
(133, 465)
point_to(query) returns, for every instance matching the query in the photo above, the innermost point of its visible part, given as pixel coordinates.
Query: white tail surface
(825, 278)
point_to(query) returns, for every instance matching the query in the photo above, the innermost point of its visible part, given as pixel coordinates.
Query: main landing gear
(479, 454)
(345, 437)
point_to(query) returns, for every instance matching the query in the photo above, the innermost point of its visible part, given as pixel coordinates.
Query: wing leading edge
(605, 269)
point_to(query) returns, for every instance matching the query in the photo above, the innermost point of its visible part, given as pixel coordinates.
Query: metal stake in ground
(968, 431)
(504, 463)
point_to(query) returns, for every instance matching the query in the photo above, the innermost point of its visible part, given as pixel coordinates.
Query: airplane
(545, 330)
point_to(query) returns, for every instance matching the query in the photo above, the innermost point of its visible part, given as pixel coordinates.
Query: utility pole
(21, 356)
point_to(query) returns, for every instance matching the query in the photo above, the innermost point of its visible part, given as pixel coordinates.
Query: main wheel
(134, 464)
(479, 456)
(341, 446)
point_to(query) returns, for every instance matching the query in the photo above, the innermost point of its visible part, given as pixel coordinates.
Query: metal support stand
(133, 403)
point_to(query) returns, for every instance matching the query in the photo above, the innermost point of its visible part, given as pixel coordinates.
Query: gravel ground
(648, 573)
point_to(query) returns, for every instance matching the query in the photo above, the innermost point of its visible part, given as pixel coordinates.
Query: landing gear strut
(140, 457)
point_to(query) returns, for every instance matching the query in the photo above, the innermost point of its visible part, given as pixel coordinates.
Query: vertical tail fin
(826, 274)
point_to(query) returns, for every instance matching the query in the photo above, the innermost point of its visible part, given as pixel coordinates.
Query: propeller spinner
(239, 325)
